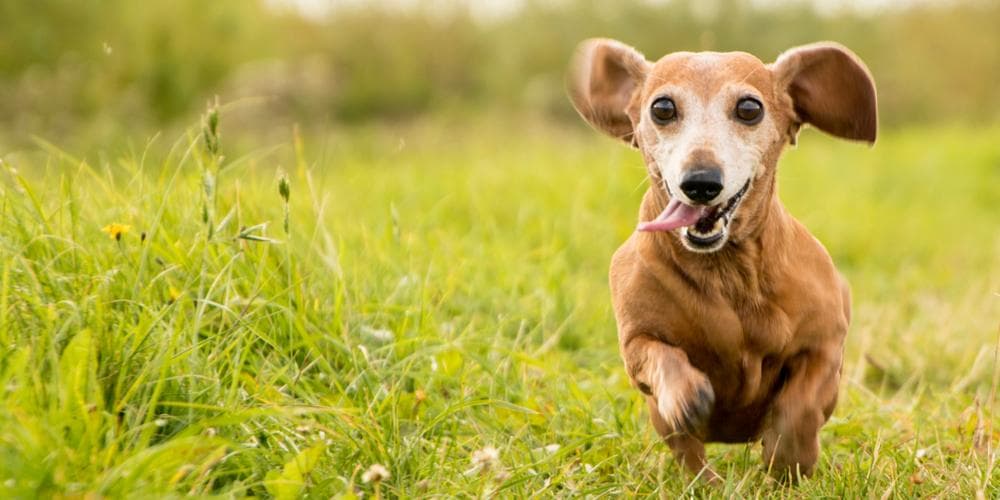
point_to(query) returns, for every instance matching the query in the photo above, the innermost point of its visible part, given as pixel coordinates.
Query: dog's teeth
(717, 227)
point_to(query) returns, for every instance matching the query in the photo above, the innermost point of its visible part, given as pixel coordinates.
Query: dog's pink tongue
(676, 215)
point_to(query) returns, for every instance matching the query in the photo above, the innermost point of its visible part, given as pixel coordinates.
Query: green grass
(443, 290)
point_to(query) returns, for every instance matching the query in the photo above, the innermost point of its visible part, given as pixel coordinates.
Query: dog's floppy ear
(830, 88)
(603, 78)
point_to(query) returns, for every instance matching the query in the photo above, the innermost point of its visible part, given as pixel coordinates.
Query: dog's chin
(711, 232)
(703, 244)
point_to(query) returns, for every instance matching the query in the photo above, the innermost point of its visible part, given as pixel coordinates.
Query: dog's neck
(742, 271)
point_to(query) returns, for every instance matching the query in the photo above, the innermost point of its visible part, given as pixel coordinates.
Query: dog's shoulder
(640, 298)
(815, 291)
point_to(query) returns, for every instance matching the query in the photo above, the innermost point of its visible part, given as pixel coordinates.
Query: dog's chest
(742, 351)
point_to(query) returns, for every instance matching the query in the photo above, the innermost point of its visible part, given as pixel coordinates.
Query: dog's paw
(791, 454)
(685, 401)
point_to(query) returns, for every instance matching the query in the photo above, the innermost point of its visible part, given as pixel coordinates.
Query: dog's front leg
(791, 434)
(680, 397)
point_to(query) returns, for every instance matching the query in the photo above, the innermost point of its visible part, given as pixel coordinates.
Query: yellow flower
(116, 230)
(174, 293)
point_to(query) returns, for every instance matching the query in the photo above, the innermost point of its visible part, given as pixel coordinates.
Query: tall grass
(437, 305)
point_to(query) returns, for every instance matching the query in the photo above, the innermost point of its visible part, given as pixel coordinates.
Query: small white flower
(483, 460)
(375, 473)
(552, 448)
(408, 281)
(921, 453)
(381, 335)
(160, 422)
(486, 456)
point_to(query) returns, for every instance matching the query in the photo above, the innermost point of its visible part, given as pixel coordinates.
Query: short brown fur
(746, 342)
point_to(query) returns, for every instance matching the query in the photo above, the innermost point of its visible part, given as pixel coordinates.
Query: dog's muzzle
(704, 228)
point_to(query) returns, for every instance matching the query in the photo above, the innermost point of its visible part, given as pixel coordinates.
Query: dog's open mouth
(704, 226)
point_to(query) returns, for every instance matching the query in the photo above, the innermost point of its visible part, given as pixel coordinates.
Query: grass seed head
(284, 188)
(210, 128)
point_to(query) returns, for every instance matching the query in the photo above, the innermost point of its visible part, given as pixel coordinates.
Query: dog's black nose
(702, 185)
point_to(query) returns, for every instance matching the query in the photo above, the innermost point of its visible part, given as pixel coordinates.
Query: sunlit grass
(436, 295)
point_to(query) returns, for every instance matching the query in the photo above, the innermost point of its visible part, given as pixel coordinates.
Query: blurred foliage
(118, 63)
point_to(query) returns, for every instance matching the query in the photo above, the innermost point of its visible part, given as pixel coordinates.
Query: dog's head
(711, 125)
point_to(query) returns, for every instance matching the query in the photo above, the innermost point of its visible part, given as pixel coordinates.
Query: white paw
(685, 403)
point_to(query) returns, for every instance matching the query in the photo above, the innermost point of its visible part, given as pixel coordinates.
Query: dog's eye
(749, 111)
(663, 110)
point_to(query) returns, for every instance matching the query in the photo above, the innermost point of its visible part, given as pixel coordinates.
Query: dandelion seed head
(375, 473)
(485, 460)
(485, 457)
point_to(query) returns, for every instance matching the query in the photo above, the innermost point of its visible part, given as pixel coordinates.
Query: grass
(439, 306)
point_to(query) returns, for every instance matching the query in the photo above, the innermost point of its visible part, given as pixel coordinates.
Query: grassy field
(437, 303)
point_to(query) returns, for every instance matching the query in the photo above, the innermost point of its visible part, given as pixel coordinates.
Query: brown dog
(731, 316)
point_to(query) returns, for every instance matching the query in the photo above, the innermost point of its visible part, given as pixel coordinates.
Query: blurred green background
(90, 69)
(436, 283)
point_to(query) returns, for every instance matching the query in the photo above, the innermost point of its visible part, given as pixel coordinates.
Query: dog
(731, 316)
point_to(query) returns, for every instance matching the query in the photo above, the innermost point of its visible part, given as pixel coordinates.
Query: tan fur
(744, 342)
